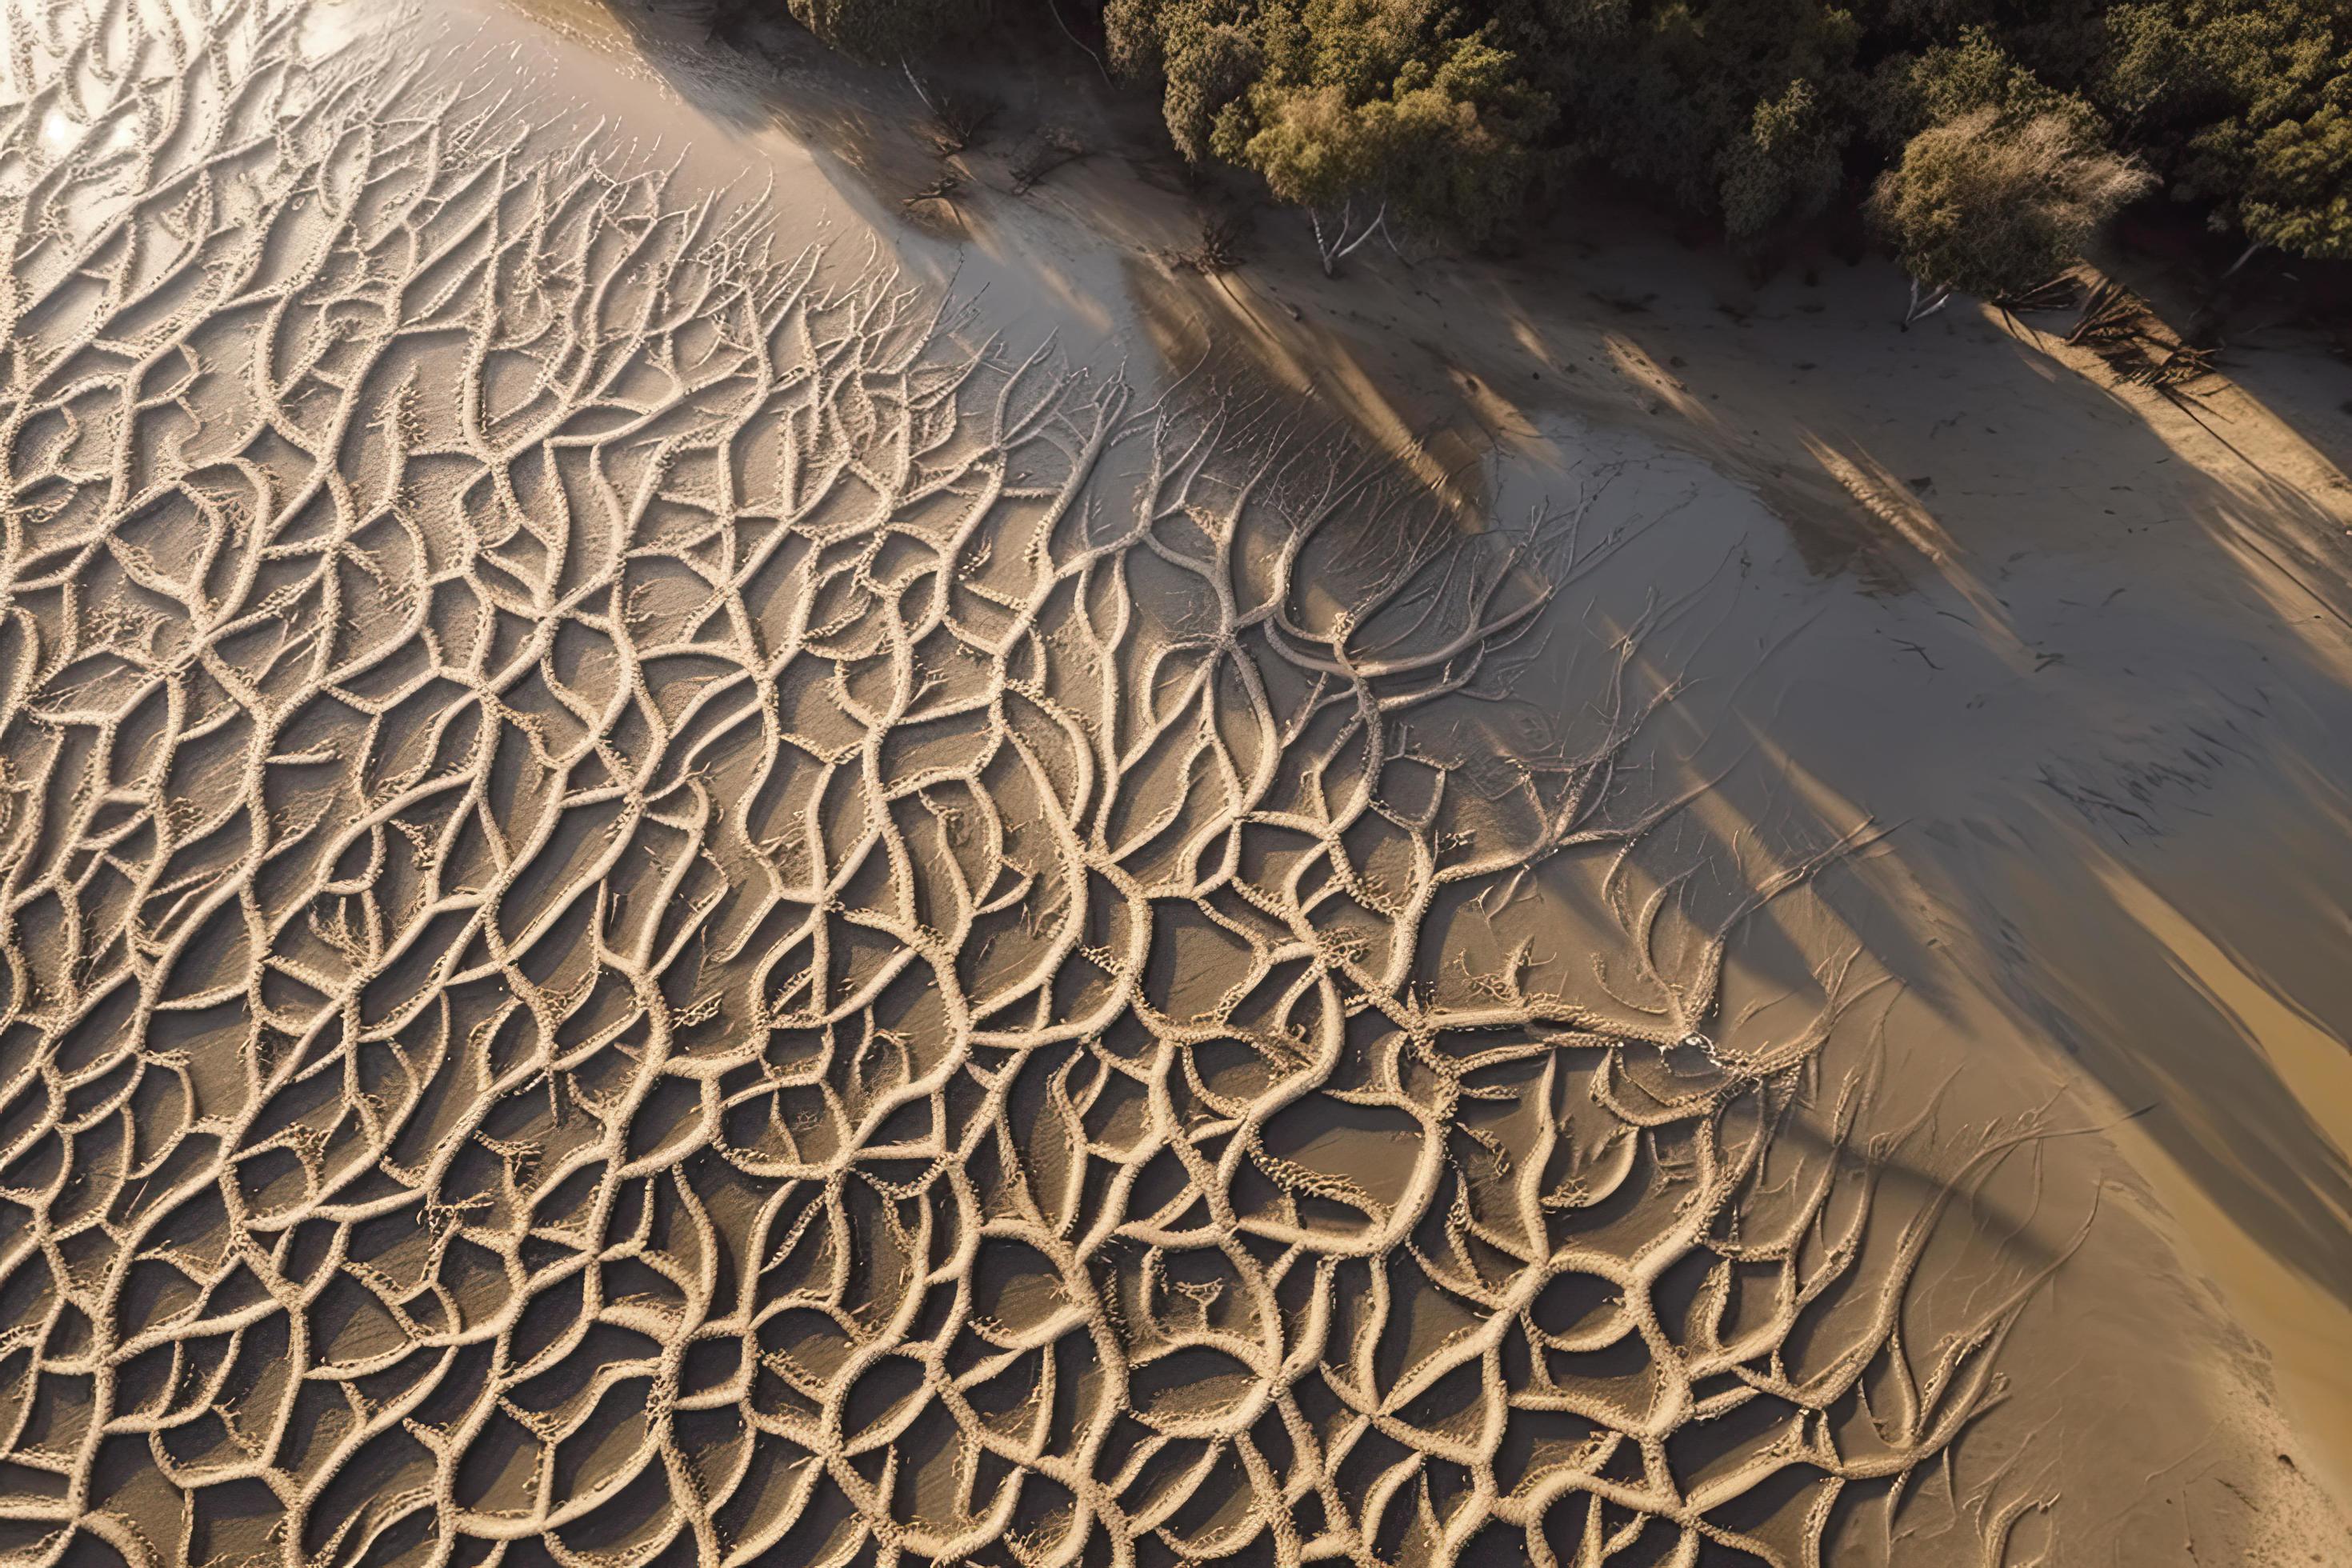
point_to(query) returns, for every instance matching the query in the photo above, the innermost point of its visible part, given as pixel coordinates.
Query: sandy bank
(749, 917)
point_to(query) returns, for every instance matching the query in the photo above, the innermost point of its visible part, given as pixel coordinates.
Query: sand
(703, 866)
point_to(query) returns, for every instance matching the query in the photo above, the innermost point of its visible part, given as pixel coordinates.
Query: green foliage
(1949, 82)
(1441, 131)
(1756, 115)
(1989, 205)
(2297, 192)
(1787, 166)
(1135, 33)
(1210, 70)
(1739, 110)
(2245, 103)
(1393, 101)
(888, 30)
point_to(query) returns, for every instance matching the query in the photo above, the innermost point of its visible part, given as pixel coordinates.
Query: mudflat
(714, 851)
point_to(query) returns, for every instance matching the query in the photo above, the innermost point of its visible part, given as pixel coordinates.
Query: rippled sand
(671, 895)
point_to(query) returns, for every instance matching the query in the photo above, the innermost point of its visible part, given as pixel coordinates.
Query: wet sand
(705, 866)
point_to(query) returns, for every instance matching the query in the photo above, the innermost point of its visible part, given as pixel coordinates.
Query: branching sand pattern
(657, 908)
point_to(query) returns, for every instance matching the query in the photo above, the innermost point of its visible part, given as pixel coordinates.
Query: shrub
(1989, 207)
(1946, 82)
(1213, 66)
(1785, 169)
(2246, 104)
(1442, 136)
(887, 30)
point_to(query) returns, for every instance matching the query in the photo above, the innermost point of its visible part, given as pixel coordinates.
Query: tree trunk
(1922, 307)
(2243, 257)
(1334, 248)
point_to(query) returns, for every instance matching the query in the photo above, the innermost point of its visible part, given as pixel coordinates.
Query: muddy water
(703, 868)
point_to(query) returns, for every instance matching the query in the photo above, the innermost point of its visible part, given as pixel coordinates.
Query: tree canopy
(1752, 115)
(1987, 204)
